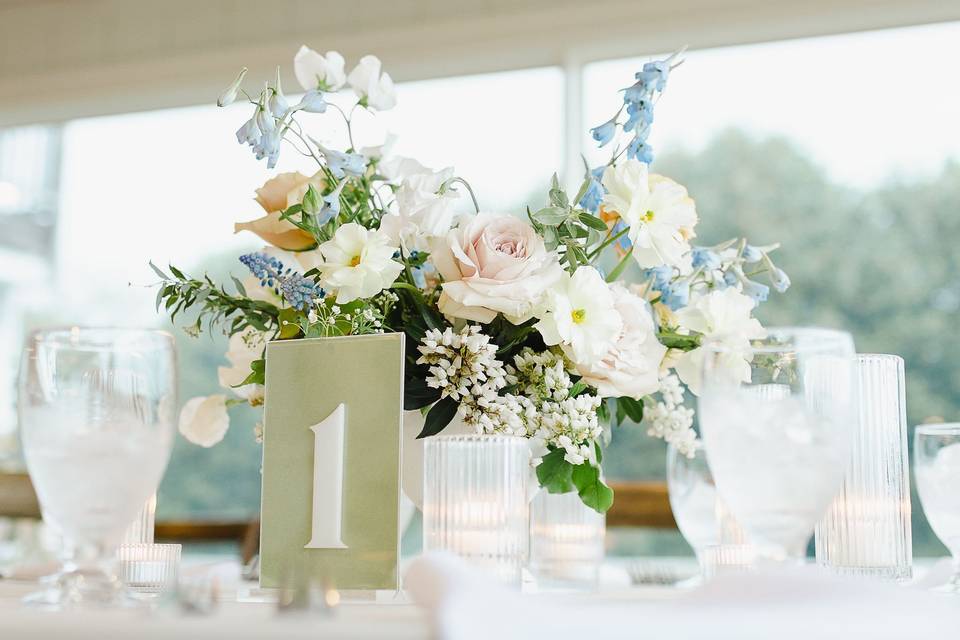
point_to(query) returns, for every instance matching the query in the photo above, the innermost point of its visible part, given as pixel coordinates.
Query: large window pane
(844, 148)
(168, 186)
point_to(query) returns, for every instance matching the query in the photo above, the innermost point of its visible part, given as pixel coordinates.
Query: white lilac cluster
(669, 419)
(464, 367)
(565, 422)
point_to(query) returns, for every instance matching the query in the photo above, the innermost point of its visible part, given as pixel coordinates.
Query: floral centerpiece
(517, 323)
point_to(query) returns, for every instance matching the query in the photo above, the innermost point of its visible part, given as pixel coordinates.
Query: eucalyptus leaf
(552, 216)
(592, 221)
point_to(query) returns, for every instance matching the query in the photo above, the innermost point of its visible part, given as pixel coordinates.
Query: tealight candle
(566, 541)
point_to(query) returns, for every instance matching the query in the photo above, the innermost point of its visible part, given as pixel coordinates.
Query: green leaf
(176, 272)
(551, 216)
(591, 489)
(438, 417)
(579, 387)
(555, 473)
(258, 373)
(157, 271)
(417, 395)
(593, 221)
(241, 290)
(677, 341)
(618, 270)
(159, 297)
(582, 191)
(632, 408)
(289, 320)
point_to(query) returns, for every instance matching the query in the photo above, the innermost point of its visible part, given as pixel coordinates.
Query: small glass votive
(147, 568)
(866, 531)
(475, 501)
(566, 541)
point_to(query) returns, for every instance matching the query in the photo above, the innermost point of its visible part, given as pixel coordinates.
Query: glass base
(80, 588)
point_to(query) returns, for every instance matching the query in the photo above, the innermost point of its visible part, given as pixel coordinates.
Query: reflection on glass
(775, 416)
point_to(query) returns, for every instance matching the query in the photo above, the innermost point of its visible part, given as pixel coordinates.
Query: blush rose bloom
(493, 264)
(274, 196)
(632, 365)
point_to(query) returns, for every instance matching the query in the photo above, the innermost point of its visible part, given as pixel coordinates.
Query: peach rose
(493, 264)
(274, 196)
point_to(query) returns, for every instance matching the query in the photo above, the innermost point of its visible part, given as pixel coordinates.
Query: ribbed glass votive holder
(148, 568)
(566, 541)
(866, 531)
(475, 501)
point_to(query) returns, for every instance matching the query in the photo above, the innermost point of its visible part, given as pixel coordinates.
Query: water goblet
(936, 464)
(96, 408)
(704, 521)
(776, 416)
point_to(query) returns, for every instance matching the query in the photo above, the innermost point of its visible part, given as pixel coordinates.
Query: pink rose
(632, 366)
(493, 264)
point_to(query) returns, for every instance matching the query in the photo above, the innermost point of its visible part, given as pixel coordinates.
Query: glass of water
(97, 420)
(936, 464)
(776, 416)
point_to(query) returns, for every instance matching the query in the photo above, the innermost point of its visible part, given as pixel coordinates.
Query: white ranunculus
(579, 314)
(244, 347)
(358, 263)
(371, 86)
(315, 71)
(723, 316)
(204, 420)
(631, 367)
(421, 213)
(660, 214)
(493, 264)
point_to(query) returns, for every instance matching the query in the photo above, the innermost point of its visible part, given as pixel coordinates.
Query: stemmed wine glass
(936, 464)
(96, 411)
(776, 416)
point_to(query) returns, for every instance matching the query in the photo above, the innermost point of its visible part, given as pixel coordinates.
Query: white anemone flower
(358, 263)
(579, 314)
(315, 71)
(373, 88)
(244, 347)
(660, 214)
(722, 316)
(204, 420)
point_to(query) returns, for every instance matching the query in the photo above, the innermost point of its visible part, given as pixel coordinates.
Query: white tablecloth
(459, 605)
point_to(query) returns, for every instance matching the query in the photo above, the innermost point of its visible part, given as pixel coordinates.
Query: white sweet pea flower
(315, 71)
(632, 365)
(204, 420)
(579, 314)
(229, 94)
(358, 263)
(373, 88)
(723, 315)
(422, 212)
(660, 214)
(244, 348)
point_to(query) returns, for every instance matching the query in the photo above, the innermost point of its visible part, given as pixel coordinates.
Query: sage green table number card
(331, 461)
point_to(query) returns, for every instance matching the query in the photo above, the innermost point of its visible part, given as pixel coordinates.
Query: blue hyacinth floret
(298, 291)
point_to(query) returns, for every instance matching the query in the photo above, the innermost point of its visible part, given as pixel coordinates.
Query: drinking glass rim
(938, 428)
(71, 336)
(829, 339)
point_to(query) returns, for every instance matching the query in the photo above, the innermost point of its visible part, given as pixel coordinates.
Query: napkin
(784, 603)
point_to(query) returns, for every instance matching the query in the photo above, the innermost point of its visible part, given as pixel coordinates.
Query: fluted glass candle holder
(475, 501)
(866, 531)
(566, 541)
